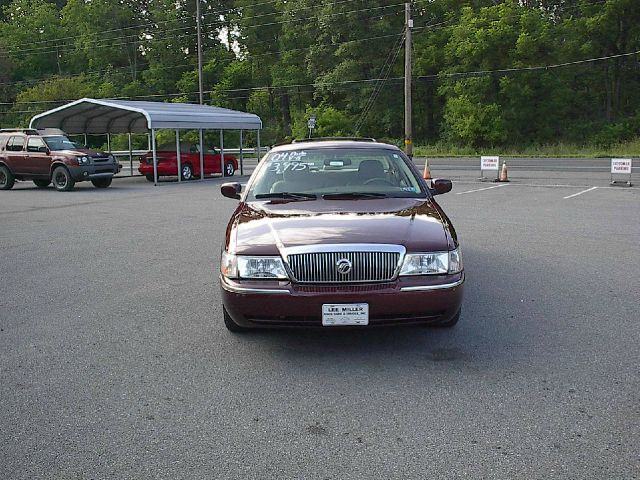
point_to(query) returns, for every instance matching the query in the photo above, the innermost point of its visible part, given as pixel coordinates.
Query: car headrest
(371, 169)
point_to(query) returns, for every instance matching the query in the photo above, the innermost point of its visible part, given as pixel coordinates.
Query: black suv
(47, 156)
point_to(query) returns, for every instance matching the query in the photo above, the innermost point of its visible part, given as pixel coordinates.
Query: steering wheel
(378, 181)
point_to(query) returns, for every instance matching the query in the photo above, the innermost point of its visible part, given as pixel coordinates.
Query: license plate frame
(345, 314)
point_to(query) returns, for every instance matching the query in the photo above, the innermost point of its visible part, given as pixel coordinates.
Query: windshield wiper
(350, 195)
(288, 195)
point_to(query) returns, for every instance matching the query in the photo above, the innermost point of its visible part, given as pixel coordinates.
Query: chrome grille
(321, 267)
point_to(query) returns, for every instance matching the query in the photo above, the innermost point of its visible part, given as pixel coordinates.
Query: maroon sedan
(339, 233)
(189, 162)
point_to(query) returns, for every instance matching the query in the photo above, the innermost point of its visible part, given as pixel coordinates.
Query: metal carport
(105, 116)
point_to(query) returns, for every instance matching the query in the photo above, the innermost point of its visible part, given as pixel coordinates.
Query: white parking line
(481, 189)
(579, 193)
(550, 185)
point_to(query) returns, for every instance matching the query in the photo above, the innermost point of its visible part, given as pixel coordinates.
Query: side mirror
(440, 186)
(44, 150)
(231, 190)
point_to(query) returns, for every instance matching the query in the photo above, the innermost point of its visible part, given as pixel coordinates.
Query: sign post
(311, 123)
(621, 166)
(489, 163)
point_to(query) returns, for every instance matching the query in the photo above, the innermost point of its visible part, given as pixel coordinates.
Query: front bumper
(92, 172)
(164, 169)
(406, 301)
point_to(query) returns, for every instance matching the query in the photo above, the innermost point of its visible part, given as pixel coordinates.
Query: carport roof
(92, 116)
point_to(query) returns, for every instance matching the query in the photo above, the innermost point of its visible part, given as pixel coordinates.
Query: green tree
(612, 29)
(361, 41)
(330, 122)
(116, 44)
(51, 93)
(30, 35)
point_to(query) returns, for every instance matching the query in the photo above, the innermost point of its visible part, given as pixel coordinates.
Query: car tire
(230, 324)
(229, 169)
(187, 172)
(7, 180)
(149, 178)
(42, 183)
(62, 180)
(448, 323)
(102, 182)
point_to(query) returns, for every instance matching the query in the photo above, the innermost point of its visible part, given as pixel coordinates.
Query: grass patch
(627, 149)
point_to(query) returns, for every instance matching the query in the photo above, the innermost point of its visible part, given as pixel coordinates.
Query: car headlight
(237, 266)
(435, 263)
(112, 158)
(82, 160)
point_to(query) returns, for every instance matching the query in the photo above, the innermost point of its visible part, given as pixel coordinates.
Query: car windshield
(185, 147)
(60, 142)
(335, 173)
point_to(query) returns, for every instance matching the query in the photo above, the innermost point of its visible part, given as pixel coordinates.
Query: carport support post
(178, 155)
(108, 142)
(222, 153)
(258, 131)
(85, 140)
(155, 156)
(241, 154)
(201, 154)
(130, 156)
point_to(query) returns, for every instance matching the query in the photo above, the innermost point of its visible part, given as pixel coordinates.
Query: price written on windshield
(281, 167)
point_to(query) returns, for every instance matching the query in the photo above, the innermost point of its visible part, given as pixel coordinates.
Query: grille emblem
(343, 266)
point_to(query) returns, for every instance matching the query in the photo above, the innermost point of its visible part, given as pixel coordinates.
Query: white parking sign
(621, 165)
(489, 163)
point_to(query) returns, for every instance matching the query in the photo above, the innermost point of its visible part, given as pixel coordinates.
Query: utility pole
(198, 23)
(58, 59)
(408, 127)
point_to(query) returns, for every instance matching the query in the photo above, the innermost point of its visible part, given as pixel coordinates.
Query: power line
(384, 73)
(154, 24)
(109, 41)
(230, 90)
(527, 69)
(274, 93)
(224, 62)
(238, 10)
(368, 80)
(454, 21)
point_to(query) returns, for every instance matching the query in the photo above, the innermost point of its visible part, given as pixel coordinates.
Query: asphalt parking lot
(115, 363)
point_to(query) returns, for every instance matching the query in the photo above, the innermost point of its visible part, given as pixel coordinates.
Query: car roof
(16, 131)
(50, 131)
(33, 131)
(337, 143)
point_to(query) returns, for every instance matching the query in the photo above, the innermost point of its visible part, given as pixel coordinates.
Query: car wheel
(448, 323)
(102, 182)
(149, 178)
(187, 172)
(62, 180)
(229, 169)
(230, 324)
(42, 183)
(7, 180)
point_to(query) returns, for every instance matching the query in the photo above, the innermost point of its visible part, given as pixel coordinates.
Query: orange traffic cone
(503, 173)
(427, 173)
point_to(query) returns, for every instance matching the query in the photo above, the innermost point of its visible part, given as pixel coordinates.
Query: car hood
(266, 228)
(82, 151)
